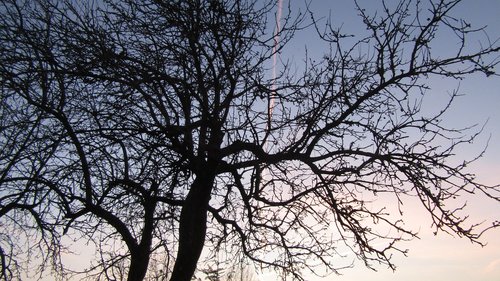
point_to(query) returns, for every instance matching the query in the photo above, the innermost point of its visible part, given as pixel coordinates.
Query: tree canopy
(154, 129)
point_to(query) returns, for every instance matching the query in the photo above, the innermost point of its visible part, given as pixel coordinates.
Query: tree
(151, 129)
(240, 271)
(218, 268)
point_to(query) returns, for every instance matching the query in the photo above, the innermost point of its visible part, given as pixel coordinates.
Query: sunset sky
(432, 257)
(441, 257)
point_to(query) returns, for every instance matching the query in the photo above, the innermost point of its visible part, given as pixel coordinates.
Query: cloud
(492, 266)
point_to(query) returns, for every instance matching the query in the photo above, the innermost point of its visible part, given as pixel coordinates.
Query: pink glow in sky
(441, 257)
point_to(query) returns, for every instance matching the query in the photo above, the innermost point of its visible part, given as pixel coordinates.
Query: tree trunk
(140, 256)
(138, 265)
(192, 228)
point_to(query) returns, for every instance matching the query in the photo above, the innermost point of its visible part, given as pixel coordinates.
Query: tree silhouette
(144, 128)
(218, 268)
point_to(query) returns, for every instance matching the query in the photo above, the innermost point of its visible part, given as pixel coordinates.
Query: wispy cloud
(492, 266)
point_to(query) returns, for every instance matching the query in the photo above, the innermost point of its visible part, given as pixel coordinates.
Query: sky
(440, 257)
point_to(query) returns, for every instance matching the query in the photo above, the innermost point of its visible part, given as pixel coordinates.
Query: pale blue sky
(442, 257)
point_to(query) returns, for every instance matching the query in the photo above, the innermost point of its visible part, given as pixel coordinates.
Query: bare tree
(145, 127)
(240, 271)
(225, 268)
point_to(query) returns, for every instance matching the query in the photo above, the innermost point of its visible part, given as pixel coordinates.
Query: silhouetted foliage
(144, 129)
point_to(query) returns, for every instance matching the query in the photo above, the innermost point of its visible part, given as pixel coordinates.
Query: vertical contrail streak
(275, 58)
(277, 38)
